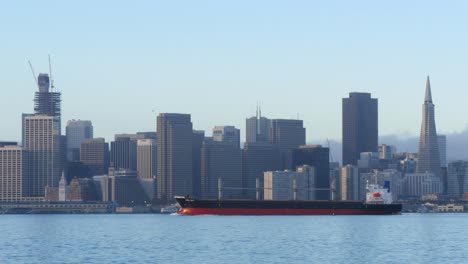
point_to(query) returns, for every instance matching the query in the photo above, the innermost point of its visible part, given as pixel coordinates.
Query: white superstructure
(378, 195)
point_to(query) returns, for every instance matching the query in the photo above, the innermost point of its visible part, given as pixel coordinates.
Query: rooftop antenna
(33, 73)
(257, 110)
(260, 111)
(259, 116)
(50, 75)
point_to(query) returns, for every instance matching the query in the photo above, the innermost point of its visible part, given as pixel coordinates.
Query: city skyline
(283, 57)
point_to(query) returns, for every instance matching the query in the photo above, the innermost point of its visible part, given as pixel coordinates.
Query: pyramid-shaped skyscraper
(428, 155)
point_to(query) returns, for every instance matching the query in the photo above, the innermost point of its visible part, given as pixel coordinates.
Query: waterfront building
(126, 189)
(103, 185)
(227, 134)
(421, 184)
(256, 159)
(76, 131)
(221, 160)
(428, 154)
(319, 158)
(42, 143)
(175, 156)
(287, 134)
(147, 158)
(13, 172)
(79, 190)
(290, 185)
(360, 126)
(95, 155)
(62, 189)
(257, 128)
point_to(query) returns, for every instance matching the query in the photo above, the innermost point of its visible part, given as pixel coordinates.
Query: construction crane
(50, 76)
(33, 73)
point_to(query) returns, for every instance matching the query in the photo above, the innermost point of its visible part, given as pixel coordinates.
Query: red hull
(257, 211)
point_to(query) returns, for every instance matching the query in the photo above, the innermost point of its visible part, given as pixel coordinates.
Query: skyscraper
(257, 128)
(287, 134)
(428, 154)
(175, 162)
(198, 137)
(146, 158)
(47, 102)
(12, 172)
(221, 160)
(95, 155)
(319, 158)
(349, 183)
(442, 142)
(124, 153)
(77, 131)
(227, 134)
(256, 159)
(360, 126)
(41, 141)
(457, 179)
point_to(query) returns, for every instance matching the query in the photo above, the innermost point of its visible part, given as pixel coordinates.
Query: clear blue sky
(118, 63)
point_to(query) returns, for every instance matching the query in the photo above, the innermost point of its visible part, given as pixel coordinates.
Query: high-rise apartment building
(175, 164)
(42, 144)
(319, 158)
(227, 134)
(221, 160)
(76, 131)
(147, 158)
(95, 155)
(13, 172)
(360, 126)
(287, 134)
(428, 154)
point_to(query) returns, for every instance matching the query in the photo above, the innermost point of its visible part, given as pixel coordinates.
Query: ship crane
(258, 189)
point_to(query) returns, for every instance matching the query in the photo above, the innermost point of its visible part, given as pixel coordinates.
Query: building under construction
(47, 102)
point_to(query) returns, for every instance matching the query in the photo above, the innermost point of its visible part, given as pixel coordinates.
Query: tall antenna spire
(260, 111)
(257, 111)
(428, 97)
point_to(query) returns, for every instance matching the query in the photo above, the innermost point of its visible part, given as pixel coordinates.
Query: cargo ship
(378, 202)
